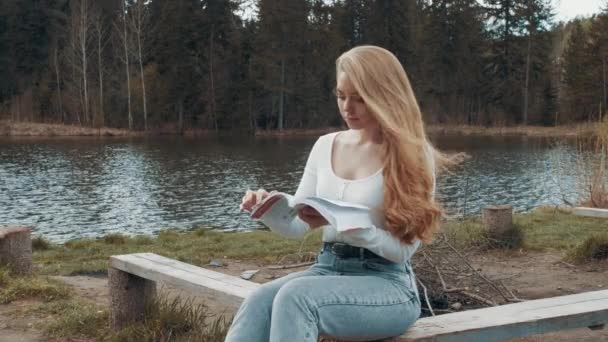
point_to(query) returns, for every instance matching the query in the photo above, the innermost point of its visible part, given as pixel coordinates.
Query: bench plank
(196, 279)
(591, 212)
(513, 320)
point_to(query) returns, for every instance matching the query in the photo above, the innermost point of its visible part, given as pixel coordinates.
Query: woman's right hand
(252, 198)
(311, 216)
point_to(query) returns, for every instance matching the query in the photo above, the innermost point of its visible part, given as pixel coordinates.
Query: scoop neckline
(331, 166)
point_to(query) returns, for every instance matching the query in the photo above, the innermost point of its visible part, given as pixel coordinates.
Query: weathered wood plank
(9, 230)
(592, 212)
(226, 288)
(513, 320)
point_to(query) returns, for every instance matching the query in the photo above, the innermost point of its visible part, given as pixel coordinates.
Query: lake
(85, 187)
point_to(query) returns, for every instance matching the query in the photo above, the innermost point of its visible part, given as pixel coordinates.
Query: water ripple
(68, 188)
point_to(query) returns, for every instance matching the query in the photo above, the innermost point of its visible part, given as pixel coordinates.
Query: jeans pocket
(375, 266)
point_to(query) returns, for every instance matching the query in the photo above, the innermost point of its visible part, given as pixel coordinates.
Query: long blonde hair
(409, 159)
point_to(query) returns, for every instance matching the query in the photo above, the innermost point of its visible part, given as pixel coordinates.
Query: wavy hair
(409, 159)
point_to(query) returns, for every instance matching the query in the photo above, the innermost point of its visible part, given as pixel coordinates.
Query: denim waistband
(345, 251)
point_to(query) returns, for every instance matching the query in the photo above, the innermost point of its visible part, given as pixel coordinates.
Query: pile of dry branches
(449, 282)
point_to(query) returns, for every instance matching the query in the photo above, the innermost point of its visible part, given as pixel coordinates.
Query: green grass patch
(39, 243)
(198, 247)
(595, 247)
(166, 319)
(541, 229)
(73, 317)
(470, 233)
(175, 320)
(550, 228)
(30, 287)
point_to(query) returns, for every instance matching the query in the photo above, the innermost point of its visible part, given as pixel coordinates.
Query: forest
(270, 64)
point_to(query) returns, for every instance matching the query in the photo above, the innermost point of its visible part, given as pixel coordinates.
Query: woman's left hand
(312, 217)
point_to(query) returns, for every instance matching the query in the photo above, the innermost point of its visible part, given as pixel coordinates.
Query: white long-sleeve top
(320, 180)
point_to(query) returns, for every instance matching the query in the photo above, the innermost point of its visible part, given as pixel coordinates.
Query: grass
(27, 287)
(175, 319)
(197, 247)
(166, 319)
(553, 229)
(543, 229)
(73, 317)
(595, 247)
(39, 243)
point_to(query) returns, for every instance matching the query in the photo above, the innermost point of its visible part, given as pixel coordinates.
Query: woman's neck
(367, 136)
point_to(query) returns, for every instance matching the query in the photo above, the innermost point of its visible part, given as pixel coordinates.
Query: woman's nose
(348, 104)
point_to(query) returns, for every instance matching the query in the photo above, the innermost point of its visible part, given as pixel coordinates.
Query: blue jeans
(347, 299)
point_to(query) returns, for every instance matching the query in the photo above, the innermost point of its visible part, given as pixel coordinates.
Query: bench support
(16, 249)
(129, 295)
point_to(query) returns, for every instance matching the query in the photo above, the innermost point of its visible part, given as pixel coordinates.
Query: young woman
(362, 286)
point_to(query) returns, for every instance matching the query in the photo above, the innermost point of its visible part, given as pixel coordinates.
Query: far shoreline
(29, 129)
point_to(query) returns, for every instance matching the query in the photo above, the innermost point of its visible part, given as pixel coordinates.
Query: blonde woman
(362, 286)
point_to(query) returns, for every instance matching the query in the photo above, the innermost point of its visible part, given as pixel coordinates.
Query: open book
(280, 208)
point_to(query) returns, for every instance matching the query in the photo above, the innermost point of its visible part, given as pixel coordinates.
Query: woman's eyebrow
(338, 90)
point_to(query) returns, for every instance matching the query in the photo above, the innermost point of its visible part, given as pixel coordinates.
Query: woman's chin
(353, 124)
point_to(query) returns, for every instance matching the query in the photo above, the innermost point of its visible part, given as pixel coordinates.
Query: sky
(564, 9)
(569, 9)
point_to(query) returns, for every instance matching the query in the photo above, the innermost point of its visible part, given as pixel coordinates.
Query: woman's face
(352, 107)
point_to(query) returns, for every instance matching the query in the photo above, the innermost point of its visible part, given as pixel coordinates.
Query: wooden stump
(16, 249)
(497, 220)
(129, 295)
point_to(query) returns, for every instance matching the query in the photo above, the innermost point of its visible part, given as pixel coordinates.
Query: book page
(342, 215)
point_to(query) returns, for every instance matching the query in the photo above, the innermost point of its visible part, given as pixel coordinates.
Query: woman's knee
(262, 297)
(296, 292)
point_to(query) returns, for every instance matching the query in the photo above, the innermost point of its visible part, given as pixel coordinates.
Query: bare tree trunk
(143, 83)
(252, 123)
(74, 77)
(101, 34)
(140, 25)
(282, 95)
(212, 85)
(180, 115)
(58, 80)
(605, 82)
(126, 46)
(101, 119)
(527, 81)
(83, 50)
(250, 109)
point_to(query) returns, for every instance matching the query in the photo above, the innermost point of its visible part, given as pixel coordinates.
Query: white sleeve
(308, 187)
(380, 242)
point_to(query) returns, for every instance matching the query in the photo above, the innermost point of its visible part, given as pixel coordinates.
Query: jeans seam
(329, 303)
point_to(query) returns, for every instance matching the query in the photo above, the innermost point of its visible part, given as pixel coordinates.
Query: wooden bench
(591, 212)
(132, 276)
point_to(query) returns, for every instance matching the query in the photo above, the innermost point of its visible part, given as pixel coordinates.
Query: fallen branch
(281, 267)
(426, 297)
(479, 298)
(477, 272)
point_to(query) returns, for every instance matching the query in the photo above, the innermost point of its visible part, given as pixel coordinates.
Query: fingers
(260, 195)
(313, 218)
(252, 198)
(309, 211)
